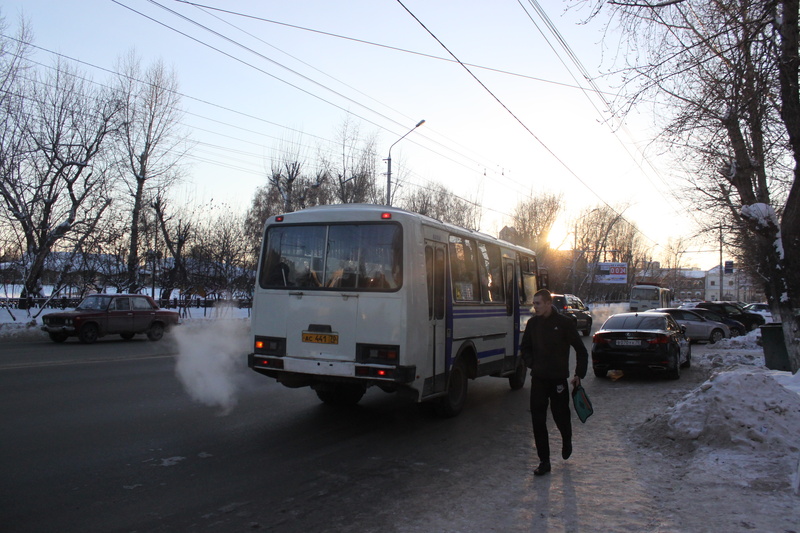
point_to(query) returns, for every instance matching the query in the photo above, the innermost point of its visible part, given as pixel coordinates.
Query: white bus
(644, 297)
(350, 296)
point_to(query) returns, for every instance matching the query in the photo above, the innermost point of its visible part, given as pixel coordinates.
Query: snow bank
(742, 407)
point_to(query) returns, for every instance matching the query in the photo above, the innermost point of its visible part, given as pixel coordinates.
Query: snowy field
(743, 422)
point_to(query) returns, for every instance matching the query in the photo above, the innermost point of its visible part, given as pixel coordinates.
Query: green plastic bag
(583, 406)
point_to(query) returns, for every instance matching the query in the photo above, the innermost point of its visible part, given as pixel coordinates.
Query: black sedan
(641, 341)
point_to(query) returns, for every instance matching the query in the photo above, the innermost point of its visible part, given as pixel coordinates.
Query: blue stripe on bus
(491, 353)
(479, 313)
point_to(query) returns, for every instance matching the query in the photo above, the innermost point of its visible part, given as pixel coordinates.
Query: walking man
(545, 349)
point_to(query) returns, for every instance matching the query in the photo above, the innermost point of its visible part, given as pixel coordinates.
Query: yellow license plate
(321, 338)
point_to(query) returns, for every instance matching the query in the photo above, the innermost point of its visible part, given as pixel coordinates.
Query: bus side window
(491, 271)
(464, 270)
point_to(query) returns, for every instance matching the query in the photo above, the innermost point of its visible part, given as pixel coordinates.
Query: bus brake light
(386, 216)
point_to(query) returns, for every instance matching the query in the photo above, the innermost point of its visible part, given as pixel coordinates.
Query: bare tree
(223, 249)
(439, 202)
(533, 219)
(602, 234)
(352, 171)
(288, 189)
(177, 229)
(151, 141)
(53, 169)
(727, 73)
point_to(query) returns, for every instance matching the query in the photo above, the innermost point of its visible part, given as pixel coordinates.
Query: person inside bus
(545, 349)
(279, 274)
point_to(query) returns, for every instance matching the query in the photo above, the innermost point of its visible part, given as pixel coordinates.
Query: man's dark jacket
(545, 347)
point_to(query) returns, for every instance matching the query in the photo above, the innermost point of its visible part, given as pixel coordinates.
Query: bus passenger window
(464, 270)
(491, 273)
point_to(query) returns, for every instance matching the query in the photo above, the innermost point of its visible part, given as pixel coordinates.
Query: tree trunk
(133, 255)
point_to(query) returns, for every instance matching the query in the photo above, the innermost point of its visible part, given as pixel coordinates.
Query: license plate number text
(321, 338)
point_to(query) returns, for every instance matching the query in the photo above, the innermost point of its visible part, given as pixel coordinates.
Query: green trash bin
(775, 355)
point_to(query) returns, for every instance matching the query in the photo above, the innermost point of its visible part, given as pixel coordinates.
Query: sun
(559, 236)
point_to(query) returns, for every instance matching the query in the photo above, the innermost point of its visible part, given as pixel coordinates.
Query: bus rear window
(350, 256)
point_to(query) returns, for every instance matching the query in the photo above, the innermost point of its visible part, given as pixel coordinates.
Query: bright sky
(251, 86)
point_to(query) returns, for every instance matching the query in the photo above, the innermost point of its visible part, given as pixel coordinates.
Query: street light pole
(389, 163)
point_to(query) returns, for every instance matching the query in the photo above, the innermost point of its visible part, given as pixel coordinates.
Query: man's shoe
(542, 469)
(566, 450)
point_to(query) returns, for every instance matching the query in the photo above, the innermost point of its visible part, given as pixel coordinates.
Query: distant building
(689, 285)
(737, 286)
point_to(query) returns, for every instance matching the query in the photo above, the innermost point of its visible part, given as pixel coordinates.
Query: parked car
(736, 327)
(105, 314)
(641, 341)
(698, 328)
(732, 310)
(761, 309)
(572, 306)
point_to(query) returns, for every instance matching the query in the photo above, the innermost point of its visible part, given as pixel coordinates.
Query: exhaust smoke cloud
(211, 361)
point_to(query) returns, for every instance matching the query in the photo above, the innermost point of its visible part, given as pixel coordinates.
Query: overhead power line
(518, 120)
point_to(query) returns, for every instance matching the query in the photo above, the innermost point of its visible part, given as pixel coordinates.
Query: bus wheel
(451, 403)
(341, 395)
(517, 379)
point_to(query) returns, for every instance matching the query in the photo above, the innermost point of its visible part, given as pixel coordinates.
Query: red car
(106, 314)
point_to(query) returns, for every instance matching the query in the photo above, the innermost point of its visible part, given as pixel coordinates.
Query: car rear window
(634, 322)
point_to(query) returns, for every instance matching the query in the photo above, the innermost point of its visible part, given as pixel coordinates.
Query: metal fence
(171, 303)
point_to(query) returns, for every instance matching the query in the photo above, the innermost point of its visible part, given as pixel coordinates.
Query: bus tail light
(266, 362)
(380, 354)
(269, 345)
(374, 372)
(399, 374)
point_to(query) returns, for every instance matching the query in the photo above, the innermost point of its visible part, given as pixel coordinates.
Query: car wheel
(453, 402)
(736, 332)
(126, 336)
(341, 395)
(88, 333)
(716, 336)
(155, 332)
(58, 337)
(600, 373)
(517, 379)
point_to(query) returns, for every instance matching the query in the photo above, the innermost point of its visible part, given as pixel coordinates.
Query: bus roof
(338, 212)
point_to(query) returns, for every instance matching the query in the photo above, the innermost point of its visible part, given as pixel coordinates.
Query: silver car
(698, 328)
(761, 309)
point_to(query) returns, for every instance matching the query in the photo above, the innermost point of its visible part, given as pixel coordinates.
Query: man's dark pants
(556, 393)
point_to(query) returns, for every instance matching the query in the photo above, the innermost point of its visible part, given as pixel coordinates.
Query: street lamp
(389, 163)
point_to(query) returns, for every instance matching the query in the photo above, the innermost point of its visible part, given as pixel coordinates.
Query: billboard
(611, 273)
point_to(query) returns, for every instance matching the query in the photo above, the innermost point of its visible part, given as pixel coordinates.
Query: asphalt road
(104, 438)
